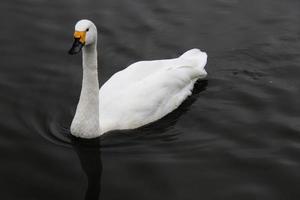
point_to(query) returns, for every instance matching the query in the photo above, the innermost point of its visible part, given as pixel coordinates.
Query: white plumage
(140, 94)
(148, 90)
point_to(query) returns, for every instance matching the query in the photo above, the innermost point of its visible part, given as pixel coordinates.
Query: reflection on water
(238, 134)
(89, 155)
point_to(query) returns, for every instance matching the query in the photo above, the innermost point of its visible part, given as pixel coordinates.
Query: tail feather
(199, 56)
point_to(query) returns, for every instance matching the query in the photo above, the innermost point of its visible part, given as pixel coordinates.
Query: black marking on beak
(76, 47)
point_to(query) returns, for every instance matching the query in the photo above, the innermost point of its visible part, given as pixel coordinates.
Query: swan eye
(87, 30)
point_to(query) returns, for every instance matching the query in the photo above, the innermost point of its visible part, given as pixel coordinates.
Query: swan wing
(148, 90)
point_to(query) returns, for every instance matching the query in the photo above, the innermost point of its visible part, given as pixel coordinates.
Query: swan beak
(79, 41)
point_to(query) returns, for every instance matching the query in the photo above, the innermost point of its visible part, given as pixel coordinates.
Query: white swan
(140, 94)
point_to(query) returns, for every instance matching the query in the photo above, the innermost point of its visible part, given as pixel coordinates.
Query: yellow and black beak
(79, 41)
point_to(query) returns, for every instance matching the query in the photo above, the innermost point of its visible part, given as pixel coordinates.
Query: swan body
(140, 94)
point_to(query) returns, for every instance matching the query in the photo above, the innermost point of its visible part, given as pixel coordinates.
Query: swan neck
(89, 57)
(86, 120)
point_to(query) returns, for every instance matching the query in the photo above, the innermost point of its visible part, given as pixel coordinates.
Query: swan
(140, 94)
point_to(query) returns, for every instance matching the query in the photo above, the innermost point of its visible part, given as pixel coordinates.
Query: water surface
(236, 137)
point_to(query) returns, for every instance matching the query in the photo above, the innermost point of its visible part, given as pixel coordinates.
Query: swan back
(148, 90)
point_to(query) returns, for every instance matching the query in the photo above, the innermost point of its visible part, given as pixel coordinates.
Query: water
(236, 137)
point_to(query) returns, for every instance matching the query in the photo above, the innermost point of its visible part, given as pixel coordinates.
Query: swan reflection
(89, 154)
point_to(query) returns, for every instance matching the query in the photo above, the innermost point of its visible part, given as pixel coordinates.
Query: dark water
(236, 137)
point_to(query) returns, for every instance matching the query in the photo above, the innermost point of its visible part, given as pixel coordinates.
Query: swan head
(85, 34)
